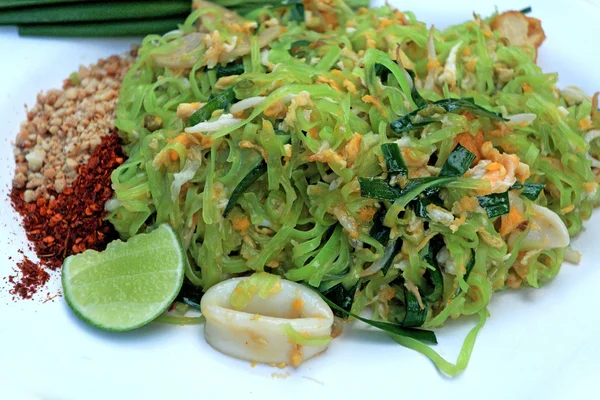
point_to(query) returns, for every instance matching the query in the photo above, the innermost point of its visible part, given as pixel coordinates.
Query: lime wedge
(127, 285)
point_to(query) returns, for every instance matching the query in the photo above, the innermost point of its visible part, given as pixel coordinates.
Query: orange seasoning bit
(526, 88)
(351, 87)
(471, 64)
(510, 221)
(385, 22)
(400, 17)
(590, 187)
(467, 51)
(433, 64)
(366, 213)
(313, 132)
(373, 100)
(298, 305)
(240, 223)
(585, 124)
(328, 81)
(296, 357)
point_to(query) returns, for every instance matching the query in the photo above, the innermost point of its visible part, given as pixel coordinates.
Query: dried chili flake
(74, 220)
(32, 277)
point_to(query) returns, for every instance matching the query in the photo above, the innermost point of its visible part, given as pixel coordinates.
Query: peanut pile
(65, 126)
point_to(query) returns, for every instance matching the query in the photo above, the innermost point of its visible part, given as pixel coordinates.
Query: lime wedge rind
(127, 285)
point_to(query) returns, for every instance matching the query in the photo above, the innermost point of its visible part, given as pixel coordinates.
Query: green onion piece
(458, 162)
(414, 316)
(421, 335)
(434, 278)
(230, 69)
(105, 29)
(341, 297)
(421, 202)
(394, 249)
(422, 116)
(378, 231)
(190, 294)
(259, 170)
(525, 10)
(296, 10)
(393, 159)
(221, 101)
(102, 11)
(381, 71)
(530, 190)
(495, 204)
(416, 96)
(378, 189)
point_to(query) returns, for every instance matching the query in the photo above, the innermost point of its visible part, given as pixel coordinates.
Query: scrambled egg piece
(300, 100)
(501, 170)
(185, 110)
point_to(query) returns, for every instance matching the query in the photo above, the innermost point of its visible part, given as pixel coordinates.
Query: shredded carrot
(314, 132)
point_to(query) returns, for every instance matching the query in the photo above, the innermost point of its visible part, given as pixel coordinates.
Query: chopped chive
(495, 204)
(221, 101)
(458, 162)
(421, 335)
(230, 69)
(341, 297)
(530, 190)
(378, 231)
(421, 117)
(433, 277)
(378, 189)
(414, 315)
(393, 159)
(259, 170)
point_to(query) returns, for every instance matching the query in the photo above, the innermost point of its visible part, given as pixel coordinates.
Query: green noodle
(305, 219)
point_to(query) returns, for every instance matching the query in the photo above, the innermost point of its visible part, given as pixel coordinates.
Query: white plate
(537, 343)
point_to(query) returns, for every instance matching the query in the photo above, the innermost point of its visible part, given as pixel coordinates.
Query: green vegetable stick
(109, 28)
(95, 12)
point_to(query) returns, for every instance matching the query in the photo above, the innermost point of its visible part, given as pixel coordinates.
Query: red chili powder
(73, 222)
(32, 278)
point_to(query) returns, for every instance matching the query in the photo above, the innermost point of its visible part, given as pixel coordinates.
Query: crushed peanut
(65, 126)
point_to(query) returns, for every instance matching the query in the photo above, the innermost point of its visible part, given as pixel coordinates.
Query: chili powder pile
(70, 223)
